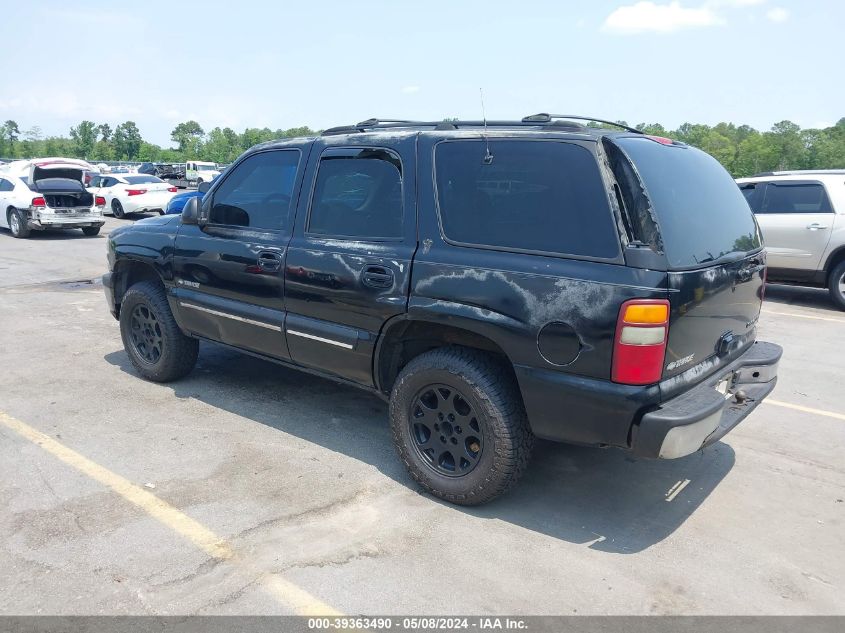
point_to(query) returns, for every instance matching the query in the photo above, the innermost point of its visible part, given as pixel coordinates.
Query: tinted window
(785, 197)
(5, 185)
(702, 214)
(532, 195)
(140, 180)
(358, 196)
(257, 193)
(753, 192)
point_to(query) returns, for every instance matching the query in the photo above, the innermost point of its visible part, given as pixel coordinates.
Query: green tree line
(100, 142)
(742, 149)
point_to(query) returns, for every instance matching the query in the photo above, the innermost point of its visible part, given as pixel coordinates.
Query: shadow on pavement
(802, 296)
(602, 498)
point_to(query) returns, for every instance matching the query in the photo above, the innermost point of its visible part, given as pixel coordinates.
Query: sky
(323, 63)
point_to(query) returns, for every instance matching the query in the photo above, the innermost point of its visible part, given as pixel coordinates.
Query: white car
(802, 217)
(48, 193)
(132, 193)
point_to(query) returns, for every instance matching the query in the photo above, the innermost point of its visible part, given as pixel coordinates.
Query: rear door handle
(269, 260)
(815, 226)
(377, 277)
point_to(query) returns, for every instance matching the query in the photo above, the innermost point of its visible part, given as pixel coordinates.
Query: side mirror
(190, 212)
(203, 187)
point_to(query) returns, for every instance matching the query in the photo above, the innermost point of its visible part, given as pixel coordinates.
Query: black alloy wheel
(445, 430)
(146, 335)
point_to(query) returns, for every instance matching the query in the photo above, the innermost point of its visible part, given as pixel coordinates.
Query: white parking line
(805, 316)
(798, 407)
(286, 592)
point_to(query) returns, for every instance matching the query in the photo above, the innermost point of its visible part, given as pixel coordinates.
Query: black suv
(495, 281)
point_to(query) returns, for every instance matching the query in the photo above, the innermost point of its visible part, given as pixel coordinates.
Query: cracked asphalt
(297, 478)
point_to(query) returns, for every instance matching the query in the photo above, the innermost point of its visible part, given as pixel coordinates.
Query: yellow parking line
(805, 316)
(798, 407)
(292, 596)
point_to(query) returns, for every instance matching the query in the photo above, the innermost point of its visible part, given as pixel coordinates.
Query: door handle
(269, 260)
(815, 226)
(377, 277)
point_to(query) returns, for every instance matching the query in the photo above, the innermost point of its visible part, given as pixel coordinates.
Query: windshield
(141, 180)
(702, 215)
(206, 168)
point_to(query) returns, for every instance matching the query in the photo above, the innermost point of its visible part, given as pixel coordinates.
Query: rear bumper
(702, 416)
(59, 222)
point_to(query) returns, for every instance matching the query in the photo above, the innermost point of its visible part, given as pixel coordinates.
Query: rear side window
(257, 194)
(5, 185)
(702, 214)
(543, 196)
(358, 194)
(142, 180)
(790, 197)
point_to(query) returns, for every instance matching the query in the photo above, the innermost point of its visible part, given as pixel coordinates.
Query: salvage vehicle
(132, 193)
(493, 281)
(802, 216)
(48, 193)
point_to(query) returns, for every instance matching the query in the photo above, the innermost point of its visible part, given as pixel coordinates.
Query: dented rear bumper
(707, 412)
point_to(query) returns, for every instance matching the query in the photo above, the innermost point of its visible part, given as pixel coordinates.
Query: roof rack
(793, 172)
(543, 119)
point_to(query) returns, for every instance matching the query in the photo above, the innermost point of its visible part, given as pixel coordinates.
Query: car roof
(823, 175)
(550, 125)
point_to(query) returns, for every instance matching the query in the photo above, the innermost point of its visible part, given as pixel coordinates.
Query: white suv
(802, 216)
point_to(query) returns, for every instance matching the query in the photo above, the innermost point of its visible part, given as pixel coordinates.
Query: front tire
(117, 209)
(17, 224)
(91, 231)
(459, 425)
(836, 285)
(155, 344)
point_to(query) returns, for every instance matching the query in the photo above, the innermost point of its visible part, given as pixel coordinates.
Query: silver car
(802, 217)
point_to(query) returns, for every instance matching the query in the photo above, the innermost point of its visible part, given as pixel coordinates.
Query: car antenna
(488, 157)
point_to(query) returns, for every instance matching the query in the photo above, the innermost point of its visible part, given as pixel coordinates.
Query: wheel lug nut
(458, 429)
(454, 441)
(442, 439)
(451, 418)
(436, 427)
(440, 416)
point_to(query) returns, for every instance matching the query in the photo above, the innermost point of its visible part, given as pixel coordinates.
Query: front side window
(786, 197)
(358, 194)
(544, 196)
(258, 192)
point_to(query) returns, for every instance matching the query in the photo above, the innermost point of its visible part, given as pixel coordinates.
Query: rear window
(702, 214)
(542, 196)
(141, 180)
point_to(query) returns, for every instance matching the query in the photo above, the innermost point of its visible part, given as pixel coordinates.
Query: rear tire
(459, 425)
(91, 231)
(151, 337)
(17, 223)
(836, 285)
(117, 209)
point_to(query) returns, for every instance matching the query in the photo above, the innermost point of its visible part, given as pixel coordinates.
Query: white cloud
(778, 14)
(646, 16)
(409, 90)
(735, 4)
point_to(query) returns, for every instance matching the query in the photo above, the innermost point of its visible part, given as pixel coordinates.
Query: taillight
(640, 344)
(99, 201)
(172, 189)
(39, 202)
(136, 192)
